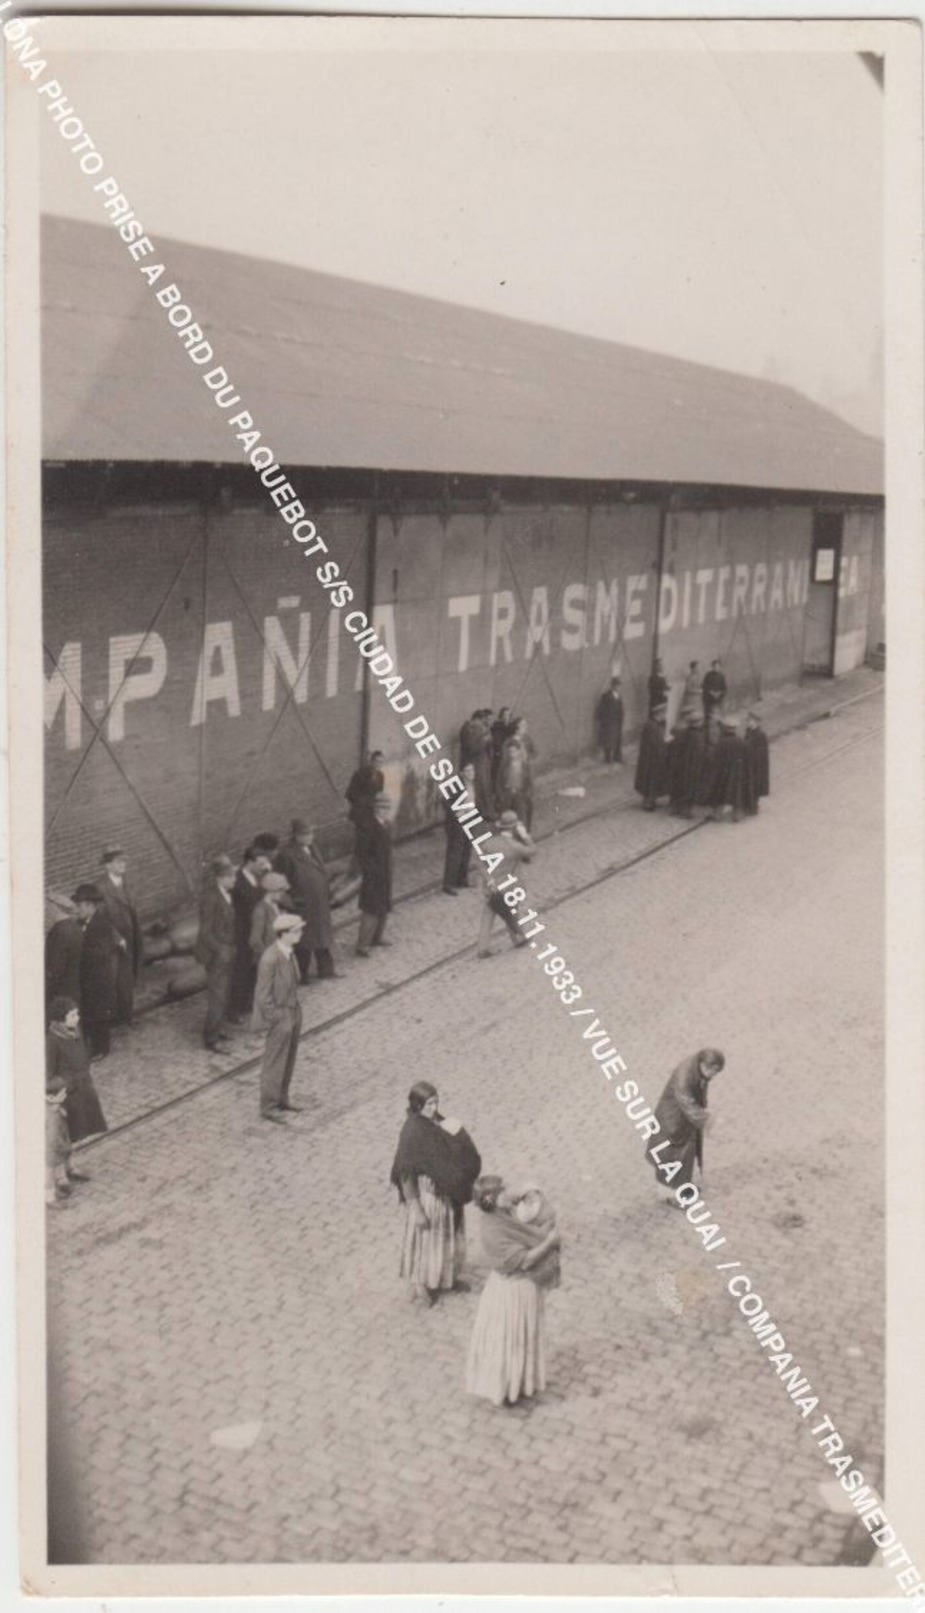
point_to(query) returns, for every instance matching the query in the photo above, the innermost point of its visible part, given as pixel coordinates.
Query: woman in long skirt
(507, 1351)
(67, 1070)
(435, 1165)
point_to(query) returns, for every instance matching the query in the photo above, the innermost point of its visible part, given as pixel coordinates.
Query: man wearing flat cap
(512, 841)
(246, 892)
(123, 914)
(302, 864)
(277, 1011)
(215, 949)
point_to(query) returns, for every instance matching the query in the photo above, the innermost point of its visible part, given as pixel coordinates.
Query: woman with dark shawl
(507, 1351)
(67, 1066)
(682, 1116)
(435, 1165)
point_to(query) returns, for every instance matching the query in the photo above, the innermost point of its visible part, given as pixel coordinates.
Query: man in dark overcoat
(609, 718)
(374, 853)
(63, 947)
(366, 783)
(302, 864)
(123, 914)
(215, 949)
(682, 1117)
(99, 957)
(246, 892)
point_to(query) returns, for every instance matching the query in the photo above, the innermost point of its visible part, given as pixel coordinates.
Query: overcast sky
(724, 207)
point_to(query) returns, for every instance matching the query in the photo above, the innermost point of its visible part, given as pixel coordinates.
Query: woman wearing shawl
(507, 1351)
(74, 1109)
(435, 1165)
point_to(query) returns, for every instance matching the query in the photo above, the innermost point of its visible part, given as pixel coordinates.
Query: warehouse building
(520, 511)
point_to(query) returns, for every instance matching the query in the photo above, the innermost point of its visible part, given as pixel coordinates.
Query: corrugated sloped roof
(339, 373)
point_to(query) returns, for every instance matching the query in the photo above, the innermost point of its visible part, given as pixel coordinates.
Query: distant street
(244, 1376)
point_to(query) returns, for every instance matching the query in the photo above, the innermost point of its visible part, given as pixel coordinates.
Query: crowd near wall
(199, 686)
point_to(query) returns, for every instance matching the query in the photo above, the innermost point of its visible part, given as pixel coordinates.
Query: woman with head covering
(507, 1351)
(71, 1096)
(435, 1165)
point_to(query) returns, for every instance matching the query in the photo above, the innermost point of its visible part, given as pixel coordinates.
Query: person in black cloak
(435, 1165)
(500, 731)
(674, 758)
(714, 690)
(730, 782)
(365, 784)
(658, 687)
(688, 782)
(756, 742)
(651, 766)
(682, 1117)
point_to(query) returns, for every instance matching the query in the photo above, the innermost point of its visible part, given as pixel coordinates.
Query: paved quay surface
(244, 1378)
(160, 1057)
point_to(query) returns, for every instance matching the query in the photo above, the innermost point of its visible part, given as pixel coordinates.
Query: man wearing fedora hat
(302, 864)
(215, 945)
(120, 905)
(63, 947)
(374, 854)
(99, 955)
(277, 1011)
(515, 845)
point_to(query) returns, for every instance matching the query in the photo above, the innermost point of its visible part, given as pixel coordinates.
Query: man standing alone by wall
(374, 854)
(277, 1011)
(609, 718)
(123, 915)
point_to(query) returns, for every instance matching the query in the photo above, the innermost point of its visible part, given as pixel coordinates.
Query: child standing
(533, 1209)
(73, 1109)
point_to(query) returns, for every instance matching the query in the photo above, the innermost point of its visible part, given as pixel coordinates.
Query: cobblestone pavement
(244, 1378)
(161, 1057)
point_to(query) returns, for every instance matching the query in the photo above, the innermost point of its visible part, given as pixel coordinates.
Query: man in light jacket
(277, 1011)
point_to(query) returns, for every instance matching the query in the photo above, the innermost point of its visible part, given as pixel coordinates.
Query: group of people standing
(501, 754)
(706, 761)
(710, 765)
(95, 955)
